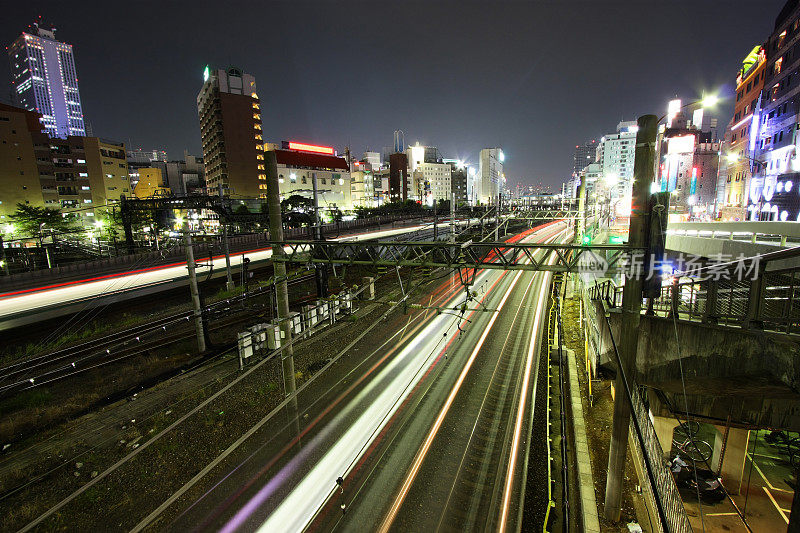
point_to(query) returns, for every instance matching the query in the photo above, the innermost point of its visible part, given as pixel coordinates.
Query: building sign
(310, 148)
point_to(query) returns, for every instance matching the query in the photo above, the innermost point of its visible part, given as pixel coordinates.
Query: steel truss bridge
(602, 258)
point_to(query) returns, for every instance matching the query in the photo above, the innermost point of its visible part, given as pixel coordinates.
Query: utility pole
(580, 220)
(198, 310)
(631, 308)
(320, 270)
(3, 257)
(453, 218)
(497, 219)
(229, 283)
(435, 220)
(125, 214)
(279, 267)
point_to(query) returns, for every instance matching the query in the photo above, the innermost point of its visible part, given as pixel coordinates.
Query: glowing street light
(709, 101)
(611, 178)
(732, 157)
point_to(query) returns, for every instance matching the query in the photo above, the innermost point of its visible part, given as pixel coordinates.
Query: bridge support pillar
(664, 426)
(734, 459)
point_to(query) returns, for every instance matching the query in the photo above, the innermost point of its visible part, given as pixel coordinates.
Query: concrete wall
(751, 376)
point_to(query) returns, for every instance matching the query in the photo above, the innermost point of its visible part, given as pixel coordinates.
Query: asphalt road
(426, 430)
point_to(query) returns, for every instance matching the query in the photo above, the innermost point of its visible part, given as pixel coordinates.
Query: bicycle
(791, 446)
(684, 439)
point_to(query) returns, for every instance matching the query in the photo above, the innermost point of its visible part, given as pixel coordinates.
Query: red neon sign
(311, 148)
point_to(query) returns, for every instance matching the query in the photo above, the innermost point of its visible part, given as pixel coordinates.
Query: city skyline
(437, 89)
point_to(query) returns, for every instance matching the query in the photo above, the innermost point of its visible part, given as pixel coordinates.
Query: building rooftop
(292, 158)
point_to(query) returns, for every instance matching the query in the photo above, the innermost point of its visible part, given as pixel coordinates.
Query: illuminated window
(254, 95)
(262, 177)
(260, 166)
(256, 116)
(256, 105)
(258, 137)
(260, 156)
(778, 66)
(257, 126)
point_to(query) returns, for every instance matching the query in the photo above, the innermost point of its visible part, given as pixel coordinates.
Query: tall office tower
(45, 80)
(491, 174)
(585, 154)
(230, 128)
(615, 154)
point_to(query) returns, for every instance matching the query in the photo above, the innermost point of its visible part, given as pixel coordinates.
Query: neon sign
(311, 148)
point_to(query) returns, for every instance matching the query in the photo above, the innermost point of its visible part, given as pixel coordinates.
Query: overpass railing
(760, 292)
(762, 232)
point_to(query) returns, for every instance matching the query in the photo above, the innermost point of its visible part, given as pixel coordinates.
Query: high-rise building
(773, 190)
(585, 154)
(45, 80)
(76, 174)
(688, 164)
(230, 128)
(398, 177)
(19, 176)
(615, 154)
(735, 168)
(429, 174)
(458, 183)
(490, 174)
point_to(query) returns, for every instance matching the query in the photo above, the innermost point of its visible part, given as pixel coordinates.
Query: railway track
(132, 342)
(476, 492)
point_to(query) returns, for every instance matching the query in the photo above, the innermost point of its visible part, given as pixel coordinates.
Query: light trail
(18, 302)
(421, 454)
(363, 419)
(420, 457)
(376, 403)
(521, 407)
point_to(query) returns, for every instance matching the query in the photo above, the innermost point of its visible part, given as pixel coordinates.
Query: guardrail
(759, 292)
(765, 232)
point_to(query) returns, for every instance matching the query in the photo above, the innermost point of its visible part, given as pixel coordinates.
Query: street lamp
(709, 101)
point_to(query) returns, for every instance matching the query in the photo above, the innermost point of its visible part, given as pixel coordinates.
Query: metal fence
(760, 292)
(177, 253)
(658, 484)
(648, 450)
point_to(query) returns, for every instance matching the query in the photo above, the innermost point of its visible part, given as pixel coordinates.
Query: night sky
(536, 78)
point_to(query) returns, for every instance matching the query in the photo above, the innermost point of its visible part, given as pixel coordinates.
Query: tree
(296, 202)
(31, 220)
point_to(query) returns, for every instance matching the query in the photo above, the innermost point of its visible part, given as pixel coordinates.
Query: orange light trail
(521, 407)
(387, 522)
(423, 451)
